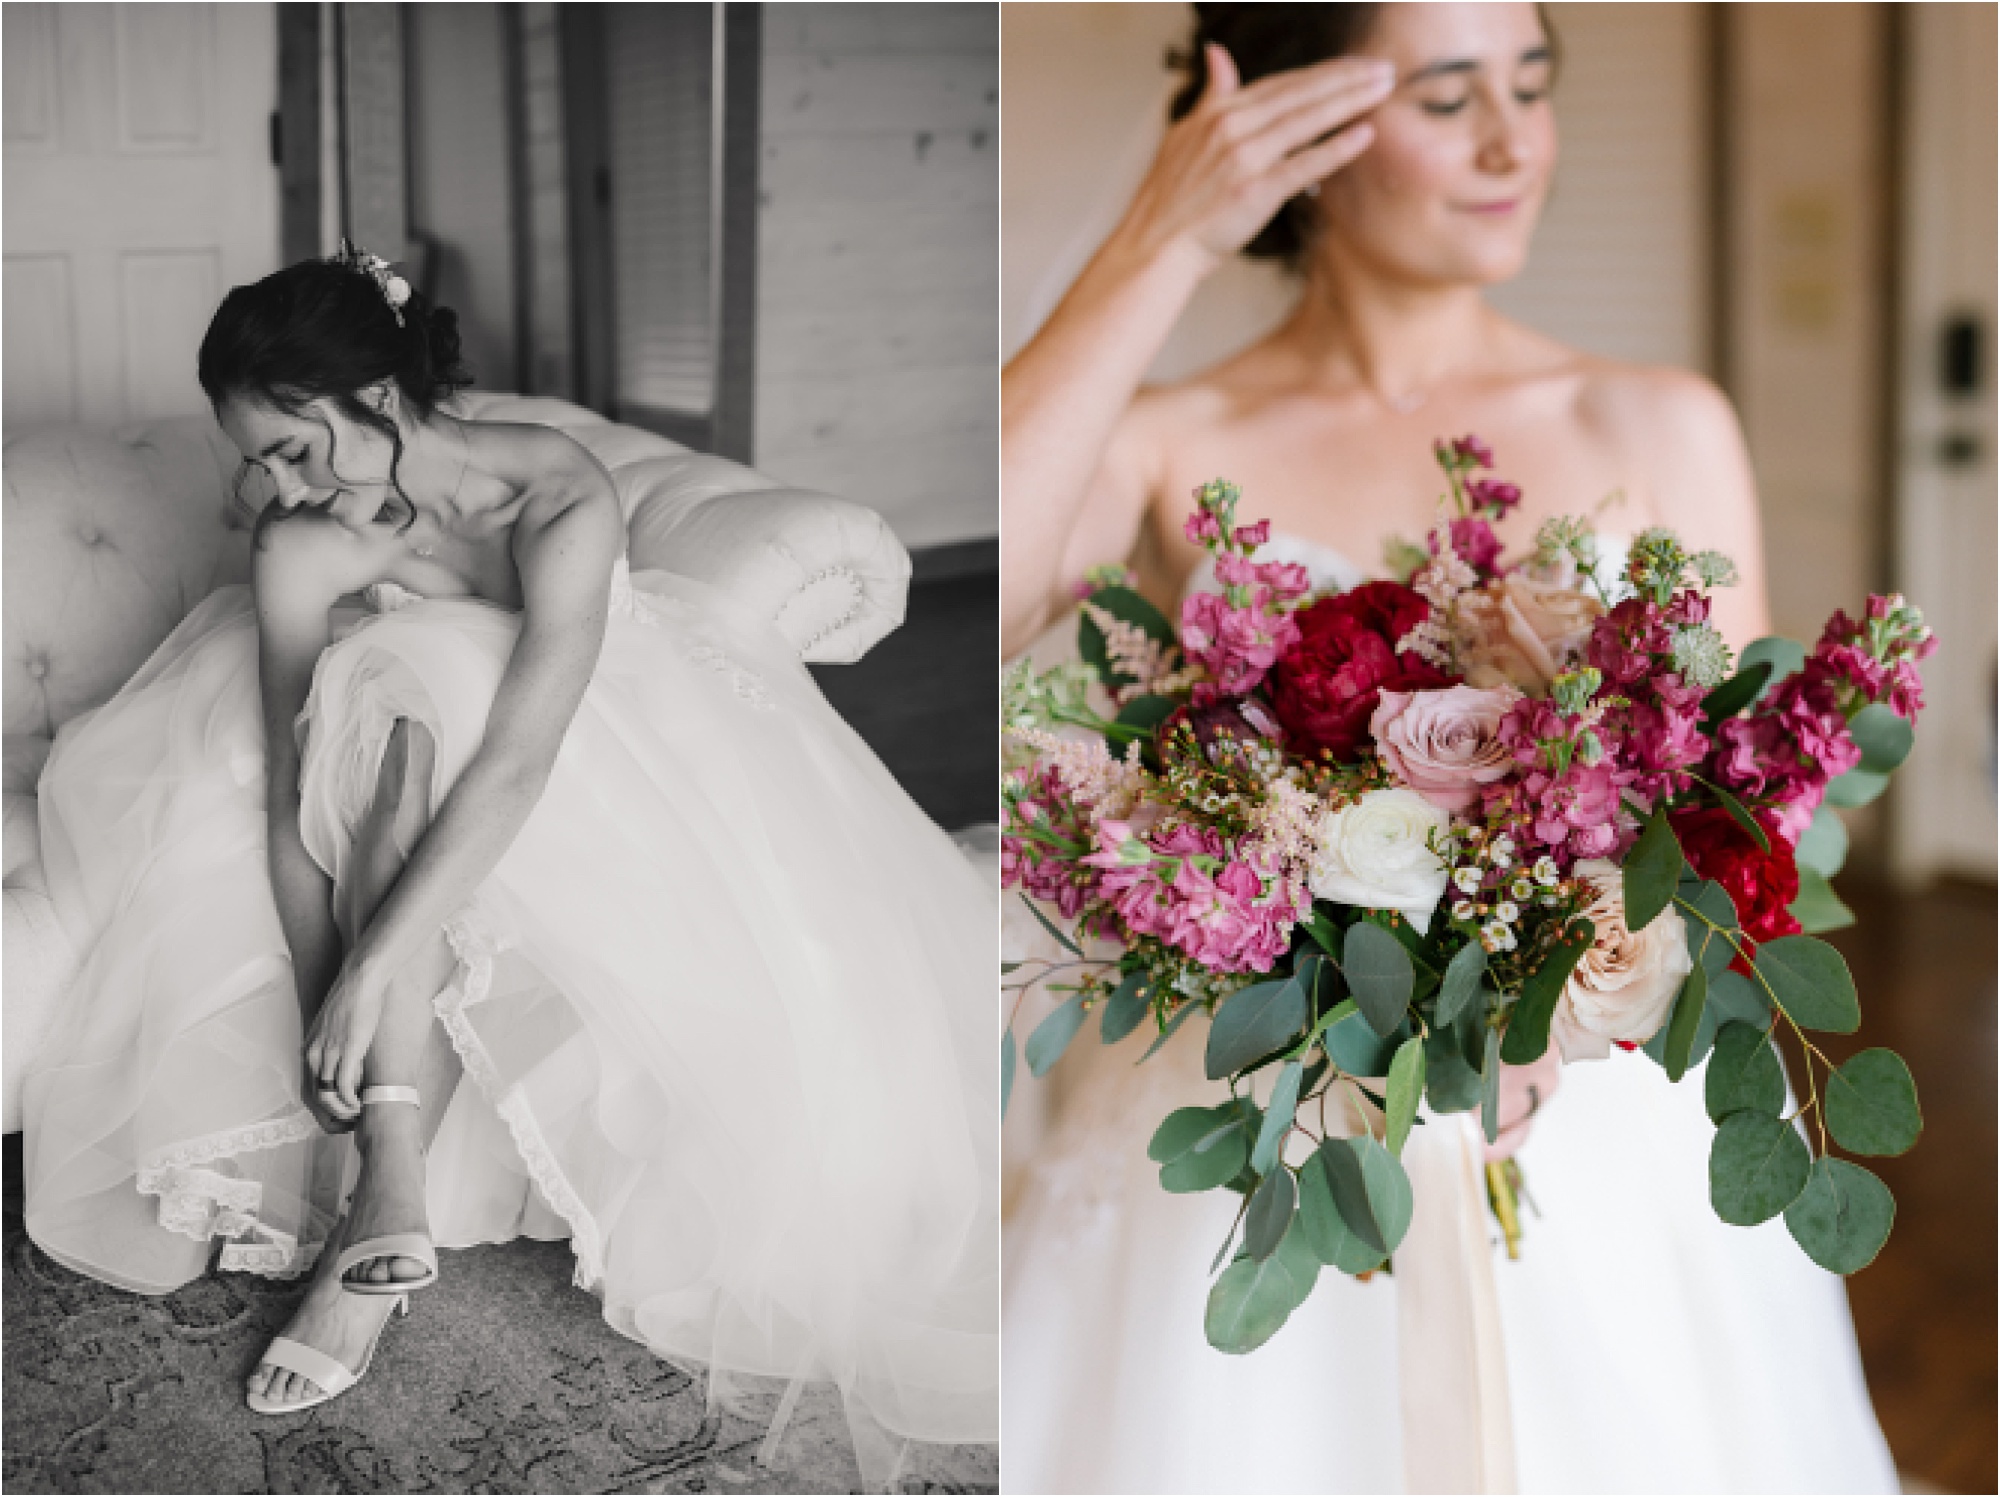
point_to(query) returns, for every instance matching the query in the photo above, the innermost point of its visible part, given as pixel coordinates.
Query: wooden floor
(1925, 1309)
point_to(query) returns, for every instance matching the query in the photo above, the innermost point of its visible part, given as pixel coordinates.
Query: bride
(530, 898)
(1397, 156)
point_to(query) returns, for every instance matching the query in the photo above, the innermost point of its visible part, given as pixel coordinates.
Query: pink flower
(1250, 537)
(1187, 887)
(1202, 528)
(1469, 449)
(1444, 744)
(1475, 544)
(1237, 646)
(1492, 495)
(1519, 632)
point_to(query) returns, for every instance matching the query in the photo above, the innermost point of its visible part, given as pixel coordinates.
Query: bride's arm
(1221, 173)
(565, 548)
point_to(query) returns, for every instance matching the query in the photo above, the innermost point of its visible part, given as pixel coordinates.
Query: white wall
(876, 275)
(1619, 265)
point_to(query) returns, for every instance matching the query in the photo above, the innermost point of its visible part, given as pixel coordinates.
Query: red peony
(1760, 884)
(1325, 686)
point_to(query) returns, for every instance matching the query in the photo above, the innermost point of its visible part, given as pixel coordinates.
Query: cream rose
(1376, 855)
(1523, 633)
(1441, 743)
(1624, 987)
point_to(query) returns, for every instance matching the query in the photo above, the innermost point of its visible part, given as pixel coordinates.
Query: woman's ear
(382, 397)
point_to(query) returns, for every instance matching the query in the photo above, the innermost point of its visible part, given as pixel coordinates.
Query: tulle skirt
(723, 1008)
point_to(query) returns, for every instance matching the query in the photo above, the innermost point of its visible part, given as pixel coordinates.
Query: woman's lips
(1504, 206)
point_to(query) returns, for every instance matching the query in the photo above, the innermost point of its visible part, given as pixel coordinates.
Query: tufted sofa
(112, 538)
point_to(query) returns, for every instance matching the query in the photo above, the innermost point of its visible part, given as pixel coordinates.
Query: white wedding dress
(724, 1006)
(1648, 1346)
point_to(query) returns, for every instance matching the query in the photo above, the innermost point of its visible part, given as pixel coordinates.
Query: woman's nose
(1501, 147)
(291, 492)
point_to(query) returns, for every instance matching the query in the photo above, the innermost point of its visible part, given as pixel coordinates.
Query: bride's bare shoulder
(1240, 385)
(1662, 419)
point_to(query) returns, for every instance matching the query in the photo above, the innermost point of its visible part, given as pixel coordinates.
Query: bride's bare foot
(330, 1320)
(389, 1199)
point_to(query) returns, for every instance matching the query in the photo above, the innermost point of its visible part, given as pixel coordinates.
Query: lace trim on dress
(204, 1204)
(475, 941)
(748, 684)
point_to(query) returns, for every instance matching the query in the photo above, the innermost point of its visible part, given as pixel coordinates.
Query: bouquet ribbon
(1458, 1429)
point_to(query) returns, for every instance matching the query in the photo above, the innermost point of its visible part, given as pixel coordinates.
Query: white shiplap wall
(877, 261)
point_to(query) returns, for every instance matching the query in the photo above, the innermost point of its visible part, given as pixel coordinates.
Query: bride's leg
(410, 1049)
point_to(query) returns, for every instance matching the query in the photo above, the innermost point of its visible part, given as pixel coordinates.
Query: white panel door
(138, 188)
(1943, 800)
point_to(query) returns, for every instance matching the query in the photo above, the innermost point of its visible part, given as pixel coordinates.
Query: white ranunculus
(1376, 855)
(1624, 987)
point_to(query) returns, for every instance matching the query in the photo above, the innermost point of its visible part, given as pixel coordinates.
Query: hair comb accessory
(395, 290)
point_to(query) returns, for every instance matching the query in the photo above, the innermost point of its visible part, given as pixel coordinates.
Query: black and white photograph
(501, 606)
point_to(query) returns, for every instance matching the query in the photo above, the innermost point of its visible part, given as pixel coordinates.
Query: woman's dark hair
(324, 329)
(1266, 39)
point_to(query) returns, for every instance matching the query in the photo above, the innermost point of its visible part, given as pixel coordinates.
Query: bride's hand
(1524, 1091)
(1226, 168)
(338, 1042)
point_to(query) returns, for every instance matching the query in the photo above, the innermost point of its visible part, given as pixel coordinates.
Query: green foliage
(1782, 655)
(1270, 1213)
(1146, 713)
(1325, 934)
(1652, 871)
(1884, 738)
(1823, 845)
(1856, 788)
(1757, 1166)
(1843, 1216)
(1744, 1074)
(1120, 603)
(1351, 1043)
(1053, 1034)
(1818, 909)
(1252, 1022)
(1871, 1104)
(1332, 1241)
(1253, 1298)
(1370, 1190)
(1379, 975)
(1129, 1004)
(1528, 1026)
(1172, 1027)
(1048, 925)
(1709, 908)
(1450, 1085)
(1733, 695)
(1200, 1155)
(1809, 980)
(1461, 983)
(1681, 1028)
(1489, 1088)
(1006, 1068)
(1743, 818)
(1277, 1117)
(1406, 1089)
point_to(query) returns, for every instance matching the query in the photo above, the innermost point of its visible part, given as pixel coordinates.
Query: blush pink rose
(1519, 632)
(1445, 744)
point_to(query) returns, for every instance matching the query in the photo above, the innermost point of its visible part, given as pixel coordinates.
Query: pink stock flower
(1493, 495)
(1476, 544)
(1250, 537)
(1470, 449)
(1569, 813)
(1037, 801)
(1202, 528)
(1186, 887)
(1236, 646)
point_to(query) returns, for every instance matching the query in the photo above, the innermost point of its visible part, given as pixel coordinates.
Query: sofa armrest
(39, 960)
(830, 574)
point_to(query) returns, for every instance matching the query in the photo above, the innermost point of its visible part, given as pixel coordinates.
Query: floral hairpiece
(395, 290)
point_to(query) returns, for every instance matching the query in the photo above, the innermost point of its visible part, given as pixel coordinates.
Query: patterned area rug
(502, 1379)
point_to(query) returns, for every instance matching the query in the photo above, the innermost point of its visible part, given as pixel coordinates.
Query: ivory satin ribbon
(1458, 1426)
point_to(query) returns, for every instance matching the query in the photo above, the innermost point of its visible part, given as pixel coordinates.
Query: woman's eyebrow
(273, 448)
(1452, 65)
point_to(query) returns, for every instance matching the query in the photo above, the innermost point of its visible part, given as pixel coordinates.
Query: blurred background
(767, 233)
(1797, 200)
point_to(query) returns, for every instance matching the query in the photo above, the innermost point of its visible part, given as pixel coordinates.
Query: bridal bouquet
(1391, 838)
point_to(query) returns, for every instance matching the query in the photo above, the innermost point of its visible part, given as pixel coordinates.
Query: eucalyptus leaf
(1884, 738)
(1006, 1068)
(1207, 1168)
(1528, 1026)
(1146, 712)
(1351, 1043)
(1757, 1166)
(1325, 934)
(1277, 1117)
(1270, 1213)
(1818, 909)
(1489, 1088)
(1823, 845)
(1782, 655)
(1843, 1216)
(1685, 1021)
(1052, 1036)
(1370, 1189)
(1253, 1299)
(1406, 1089)
(1332, 1241)
(1252, 1022)
(1811, 983)
(1856, 788)
(1180, 1017)
(1742, 817)
(1461, 982)
(1379, 975)
(1450, 1085)
(1128, 1005)
(1871, 1104)
(1744, 1074)
(1731, 995)
(1652, 869)
(1182, 1129)
(1733, 695)
(1048, 925)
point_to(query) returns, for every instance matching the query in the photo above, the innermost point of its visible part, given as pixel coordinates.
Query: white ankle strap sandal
(413, 1245)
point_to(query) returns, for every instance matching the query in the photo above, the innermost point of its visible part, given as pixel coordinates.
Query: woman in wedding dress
(1398, 155)
(529, 897)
